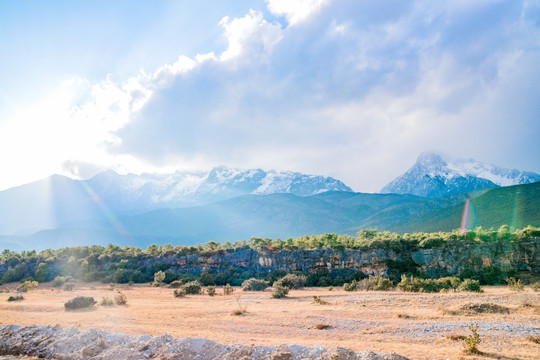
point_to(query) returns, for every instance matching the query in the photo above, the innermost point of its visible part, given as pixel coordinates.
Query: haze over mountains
(231, 205)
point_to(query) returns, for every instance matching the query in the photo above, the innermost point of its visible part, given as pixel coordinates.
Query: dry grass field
(419, 326)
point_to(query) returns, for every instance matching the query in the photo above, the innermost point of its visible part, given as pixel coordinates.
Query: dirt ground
(419, 326)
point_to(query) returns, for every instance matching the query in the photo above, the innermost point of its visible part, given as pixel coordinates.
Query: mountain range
(433, 176)
(229, 205)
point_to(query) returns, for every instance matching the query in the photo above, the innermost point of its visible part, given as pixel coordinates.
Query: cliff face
(451, 259)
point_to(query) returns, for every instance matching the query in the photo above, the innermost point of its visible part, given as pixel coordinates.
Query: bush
(515, 284)
(105, 301)
(293, 281)
(192, 288)
(68, 286)
(27, 286)
(470, 285)
(159, 277)
(120, 298)
(211, 290)
(15, 298)
(176, 284)
(254, 285)
(279, 291)
(179, 292)
(377, 283)
(80, 302)
(471, 342)
(228, 290)
(352, 286)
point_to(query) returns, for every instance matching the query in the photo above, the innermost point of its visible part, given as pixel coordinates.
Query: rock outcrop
(72, 343)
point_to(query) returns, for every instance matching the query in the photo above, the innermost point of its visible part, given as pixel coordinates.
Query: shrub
(279, 291)
(535, 286)
(377, 283)
(120, 298)
(15, 298)
(211, 290)
(241, 310)
(192, 288)
(228, 290)
(176, 284)
(80, 302)
(352, 286)
(515, 284)
(179, 292)
(159, 277)
(470, 285)
(105, 301)
(58, 281)
(254, 285)
(68, 286)
(293, 281)
(318, 300)
(471, 342)
(27, 286)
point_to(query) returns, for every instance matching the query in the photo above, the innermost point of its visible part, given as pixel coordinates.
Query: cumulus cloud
(357, 91)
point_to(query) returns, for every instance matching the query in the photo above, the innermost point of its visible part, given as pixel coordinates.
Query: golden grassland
(416, 325)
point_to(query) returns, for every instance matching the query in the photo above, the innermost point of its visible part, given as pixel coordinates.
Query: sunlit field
(419, 326)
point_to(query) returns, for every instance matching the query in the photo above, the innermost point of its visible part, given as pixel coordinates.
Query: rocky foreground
(72, 343)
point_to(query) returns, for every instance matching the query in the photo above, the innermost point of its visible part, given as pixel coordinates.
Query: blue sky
(351, 89)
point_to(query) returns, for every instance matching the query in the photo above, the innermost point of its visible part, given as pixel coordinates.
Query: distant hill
(288, 215)
(57, 200)
(433, 176)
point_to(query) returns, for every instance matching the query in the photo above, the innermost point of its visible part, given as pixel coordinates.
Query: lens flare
(109, 215)
(465, 216)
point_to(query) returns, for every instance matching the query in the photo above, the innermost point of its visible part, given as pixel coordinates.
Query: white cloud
(296, 11)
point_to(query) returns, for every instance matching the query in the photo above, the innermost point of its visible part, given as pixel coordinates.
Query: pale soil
(412, 325)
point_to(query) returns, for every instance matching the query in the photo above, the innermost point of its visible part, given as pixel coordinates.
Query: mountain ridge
(433, 176)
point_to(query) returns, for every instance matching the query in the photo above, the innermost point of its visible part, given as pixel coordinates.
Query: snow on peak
(434, 176)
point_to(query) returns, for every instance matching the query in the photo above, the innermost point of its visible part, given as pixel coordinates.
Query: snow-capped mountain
(433, 176)
(186, 189)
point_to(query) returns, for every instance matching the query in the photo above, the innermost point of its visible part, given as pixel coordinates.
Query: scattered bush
(279, 291)
(470, 343)
(15, 298)
(27, 286)
(254, 285)
(179, 292)
(105, 301)
(241, 309)
(352, 286)
(61, 280)
(376, 283)
(120, 298)
(228, 290)
(192, 288)
(211, 290)
(159, 277)
(515, 284)
(69, 286)
(176, 284)
(535, 286)
(293, 281)
(456, 337)
(80, 302)
(318, 300)
(470, 285)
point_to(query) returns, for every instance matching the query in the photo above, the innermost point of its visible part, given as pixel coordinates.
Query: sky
(352, 89)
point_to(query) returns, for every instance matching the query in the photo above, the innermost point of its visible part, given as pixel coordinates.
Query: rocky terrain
(72, 343)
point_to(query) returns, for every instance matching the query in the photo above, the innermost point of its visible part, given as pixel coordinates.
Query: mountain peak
(434, 176)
